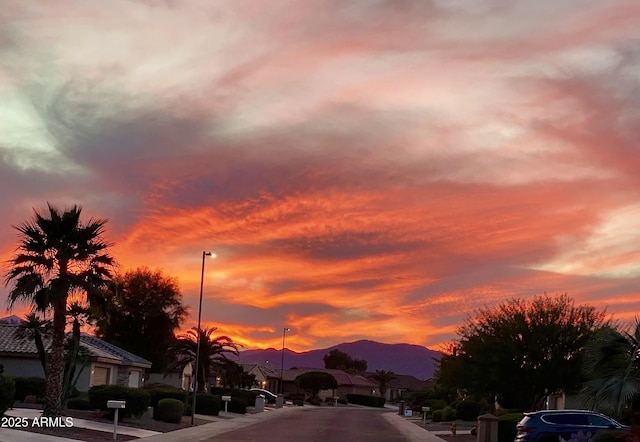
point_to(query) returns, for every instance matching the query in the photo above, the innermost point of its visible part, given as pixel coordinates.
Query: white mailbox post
(226, 400)
(425, 410)
(117, 405)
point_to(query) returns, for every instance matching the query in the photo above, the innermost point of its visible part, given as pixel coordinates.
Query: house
(564, 401)
(108, 364)
(267, 377)
(177, 378)
(402, 385)
(348, 383)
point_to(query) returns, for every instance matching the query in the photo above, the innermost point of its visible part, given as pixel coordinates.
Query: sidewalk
(410, 430)
(219, 424)
(83, 423)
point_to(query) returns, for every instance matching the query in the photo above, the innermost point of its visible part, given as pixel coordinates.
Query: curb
(411, 431)
(205, 432)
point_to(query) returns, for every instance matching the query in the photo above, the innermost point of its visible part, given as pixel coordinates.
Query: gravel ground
(87, 435)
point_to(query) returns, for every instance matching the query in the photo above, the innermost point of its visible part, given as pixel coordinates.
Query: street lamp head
(211, 254)
(287, 329)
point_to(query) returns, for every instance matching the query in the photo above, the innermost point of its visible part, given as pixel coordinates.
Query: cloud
(365, 169)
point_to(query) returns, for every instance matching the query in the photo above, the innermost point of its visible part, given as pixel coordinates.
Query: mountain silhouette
(408, 359)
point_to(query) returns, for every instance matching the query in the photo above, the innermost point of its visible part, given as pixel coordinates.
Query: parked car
(547, 425)
(269, 397)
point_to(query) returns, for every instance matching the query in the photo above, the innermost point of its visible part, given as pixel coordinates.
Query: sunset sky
(363, 169)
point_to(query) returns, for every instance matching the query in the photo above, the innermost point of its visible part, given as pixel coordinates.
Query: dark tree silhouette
(57, 255)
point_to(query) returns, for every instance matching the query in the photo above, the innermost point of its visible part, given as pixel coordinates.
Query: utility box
(259, 407)
(280, 401)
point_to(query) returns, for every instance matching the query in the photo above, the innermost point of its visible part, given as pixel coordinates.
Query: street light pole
(284, 332)
(196, 369)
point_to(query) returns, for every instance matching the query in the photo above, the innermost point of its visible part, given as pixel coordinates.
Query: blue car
(547, 425)
(269, 397)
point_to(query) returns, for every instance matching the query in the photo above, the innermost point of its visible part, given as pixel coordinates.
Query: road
(321, 425)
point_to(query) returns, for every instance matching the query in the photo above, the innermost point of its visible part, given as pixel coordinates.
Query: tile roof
(96, 347)
(93, 343)
(343, 378)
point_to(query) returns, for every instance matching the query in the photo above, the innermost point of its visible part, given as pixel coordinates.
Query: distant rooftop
(96, 347)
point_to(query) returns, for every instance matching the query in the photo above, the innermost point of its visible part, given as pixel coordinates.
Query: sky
(363, 170)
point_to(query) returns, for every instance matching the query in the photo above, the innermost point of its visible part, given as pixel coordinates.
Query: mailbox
(226, 398)
(116, 404)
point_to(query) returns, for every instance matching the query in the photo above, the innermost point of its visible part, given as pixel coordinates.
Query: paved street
(322, 425)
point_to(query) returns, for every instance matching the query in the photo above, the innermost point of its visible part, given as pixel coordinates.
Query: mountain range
(408, 359)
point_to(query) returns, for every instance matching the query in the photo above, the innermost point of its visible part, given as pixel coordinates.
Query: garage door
(134, 379)
(100, 376)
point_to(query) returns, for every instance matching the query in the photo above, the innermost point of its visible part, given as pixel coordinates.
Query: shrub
(208, 404)
(155, 395)
(298, 402)
(507, 426)
(362, 399)
(137, 400)
(169, 410)
(7, 393)
(29, 386)
(609, 436)
(438, 416)
(248, 397)
(237, 405)
(78, 403)
(467, 410)
(315, 401)
(448, 414)
(158, 386)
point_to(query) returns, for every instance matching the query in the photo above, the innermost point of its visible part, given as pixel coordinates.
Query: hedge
(610, 436)
(507, 426)
(137, 400)
(236, 405)
(248, 397)
(155, 395)
(207, 404)
(369, 401)
(467, 410)
(78, 403)
(169, 410)
(7, 393)
(29, 386)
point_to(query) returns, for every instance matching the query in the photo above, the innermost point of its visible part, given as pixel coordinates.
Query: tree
(58, 255)
(383, 378)
(213, 350)
(144, 311)
(232, 375)
(520, 351)
(74, 352)
(36, 329)
(340, 360)
(612, 364)
(314, 381)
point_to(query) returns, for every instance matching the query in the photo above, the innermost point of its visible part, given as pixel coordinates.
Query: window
(567, 419)
(600, 421)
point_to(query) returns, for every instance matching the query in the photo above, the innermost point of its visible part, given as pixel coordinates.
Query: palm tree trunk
(73, 357)
(53, 392)
(42, 355)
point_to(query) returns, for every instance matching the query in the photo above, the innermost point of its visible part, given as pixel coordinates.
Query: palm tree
(74, 355)
(612, 364)
(57, 255)
(383, 378)
(36, 329)
(213, 350)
